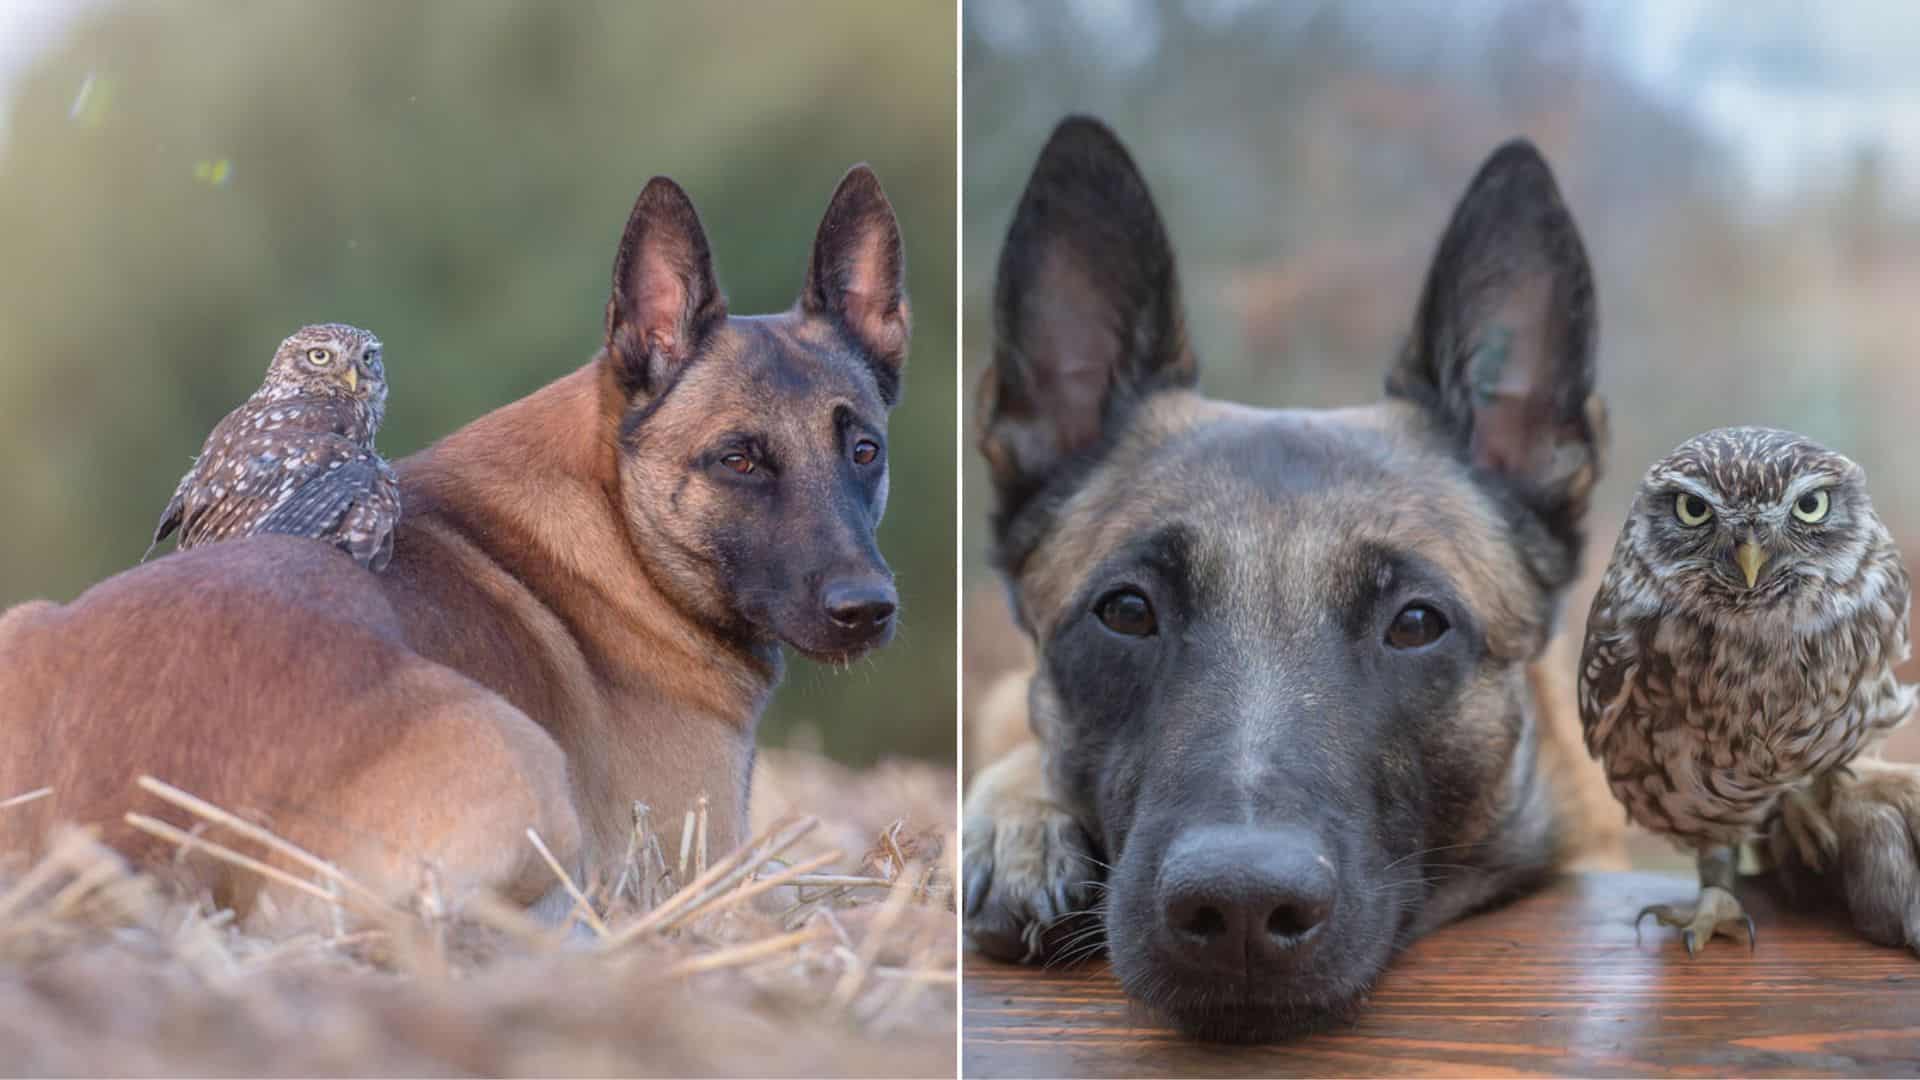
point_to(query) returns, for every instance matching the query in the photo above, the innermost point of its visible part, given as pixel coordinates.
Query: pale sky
(26, 28)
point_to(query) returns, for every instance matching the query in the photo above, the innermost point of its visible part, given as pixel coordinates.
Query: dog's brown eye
(1125, 611)
(1415, 626)
(865, 451)
(739, 463)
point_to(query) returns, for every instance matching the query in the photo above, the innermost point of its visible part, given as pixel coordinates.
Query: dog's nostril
(1291, 921)
(859, 607)
(1231, 894)
(1204, 923)
(861, 615)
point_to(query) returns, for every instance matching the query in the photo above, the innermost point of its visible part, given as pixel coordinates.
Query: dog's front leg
(1873, 811)
(1031, 875)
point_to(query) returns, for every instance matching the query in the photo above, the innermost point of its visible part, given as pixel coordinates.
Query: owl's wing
(180, 508)
(351, 499)
(234, 488)
(1893, 701)
(1608, 660)
(375, 517)
(170, 518)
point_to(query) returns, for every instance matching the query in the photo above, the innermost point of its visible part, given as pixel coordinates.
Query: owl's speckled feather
(297, 458)
(1708, 698)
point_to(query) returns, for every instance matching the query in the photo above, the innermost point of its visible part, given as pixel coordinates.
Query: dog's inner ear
(665, 298)
(1086, 312)
(858, 272)
(1503, 343)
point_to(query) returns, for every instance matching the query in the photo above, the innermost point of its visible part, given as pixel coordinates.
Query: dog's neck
(532, 490)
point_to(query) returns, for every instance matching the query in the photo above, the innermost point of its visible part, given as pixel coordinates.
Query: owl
(297, 457)
(1741, 648)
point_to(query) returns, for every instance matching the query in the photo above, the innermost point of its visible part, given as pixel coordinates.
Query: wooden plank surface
(1553, 984)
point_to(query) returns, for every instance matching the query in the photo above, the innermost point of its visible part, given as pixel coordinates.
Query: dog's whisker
(1424, 852)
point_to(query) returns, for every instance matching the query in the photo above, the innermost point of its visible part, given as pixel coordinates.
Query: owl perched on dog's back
(1741, 648)
(297, 457)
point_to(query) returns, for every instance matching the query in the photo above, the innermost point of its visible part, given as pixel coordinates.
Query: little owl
(297, 457)
(1741, 648)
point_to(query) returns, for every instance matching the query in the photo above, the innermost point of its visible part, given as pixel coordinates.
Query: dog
(1293, 702)
(585, 609)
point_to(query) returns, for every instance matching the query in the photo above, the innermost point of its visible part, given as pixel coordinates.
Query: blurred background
(183, 184)
(1746, 174)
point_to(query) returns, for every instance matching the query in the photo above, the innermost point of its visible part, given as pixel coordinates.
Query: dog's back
(140, 674)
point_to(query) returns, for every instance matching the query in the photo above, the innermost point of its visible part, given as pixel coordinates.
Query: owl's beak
(353, 378)
(1751, 558)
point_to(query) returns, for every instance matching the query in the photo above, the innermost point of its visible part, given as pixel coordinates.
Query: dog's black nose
(1232, 895)
(859, 605)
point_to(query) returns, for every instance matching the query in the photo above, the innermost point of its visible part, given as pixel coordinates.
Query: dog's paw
(1874, 811)
(1029, 874)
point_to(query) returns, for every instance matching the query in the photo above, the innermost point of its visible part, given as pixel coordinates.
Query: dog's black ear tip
(1080, 137)
(1518, 159)
(1086, 170)
(1077, 126)
(662, 192)
(861, 187)
(1520, 148)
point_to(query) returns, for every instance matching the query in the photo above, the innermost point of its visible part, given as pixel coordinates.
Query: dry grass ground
(824, 947)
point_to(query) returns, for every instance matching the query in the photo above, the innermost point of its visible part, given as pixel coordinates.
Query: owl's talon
(1654, 910)
(1716, 912)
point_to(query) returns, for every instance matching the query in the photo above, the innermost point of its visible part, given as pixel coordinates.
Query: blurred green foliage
(183, 184)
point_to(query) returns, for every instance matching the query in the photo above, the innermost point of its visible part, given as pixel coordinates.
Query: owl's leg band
(1717, 911)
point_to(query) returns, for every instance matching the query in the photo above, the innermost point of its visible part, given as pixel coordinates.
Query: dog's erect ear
(1502, 349)
(1086, 312)
(665, 298)
(858, 272)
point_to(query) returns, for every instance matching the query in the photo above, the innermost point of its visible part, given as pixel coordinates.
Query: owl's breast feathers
(1702, 723)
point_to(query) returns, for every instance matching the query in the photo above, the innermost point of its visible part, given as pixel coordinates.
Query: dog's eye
(865, 451)
(1126, 611)
(738, 462)
(1416, 625)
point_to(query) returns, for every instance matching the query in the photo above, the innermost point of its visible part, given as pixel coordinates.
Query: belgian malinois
(1288, 705)
(585, 608)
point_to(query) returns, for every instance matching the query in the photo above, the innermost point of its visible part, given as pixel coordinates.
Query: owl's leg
(1717, 911)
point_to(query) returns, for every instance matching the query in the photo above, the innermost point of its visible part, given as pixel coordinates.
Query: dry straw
(847, 967)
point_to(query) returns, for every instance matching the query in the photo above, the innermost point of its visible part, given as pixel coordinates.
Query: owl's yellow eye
(319, 357)
(1692, 509)
(1811, 507)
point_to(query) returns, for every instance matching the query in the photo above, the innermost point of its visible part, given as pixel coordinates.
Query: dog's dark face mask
(1283, 655)
(754, 449)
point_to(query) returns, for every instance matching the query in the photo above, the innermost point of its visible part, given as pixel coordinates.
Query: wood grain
(1554, 984)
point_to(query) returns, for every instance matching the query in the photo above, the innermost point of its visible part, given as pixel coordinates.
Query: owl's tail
(169, 521)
